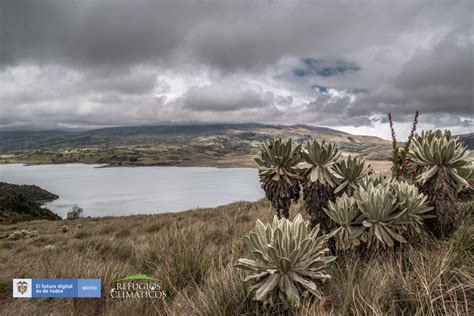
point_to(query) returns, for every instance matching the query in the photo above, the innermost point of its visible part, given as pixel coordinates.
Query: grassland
(192, 254)
(143, 155)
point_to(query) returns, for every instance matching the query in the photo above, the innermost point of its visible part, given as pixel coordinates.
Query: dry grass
(192, 254)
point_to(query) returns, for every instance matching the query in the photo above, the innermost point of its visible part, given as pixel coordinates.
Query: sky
(339, 64)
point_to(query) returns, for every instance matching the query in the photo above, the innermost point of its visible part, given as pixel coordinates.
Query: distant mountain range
(210, 144)
(150, 135)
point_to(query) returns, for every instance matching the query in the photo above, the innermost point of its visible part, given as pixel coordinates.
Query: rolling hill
(151, 135)
(211, 144)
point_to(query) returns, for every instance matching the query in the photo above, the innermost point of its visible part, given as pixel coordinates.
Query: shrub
(75, 213)
(288, 260)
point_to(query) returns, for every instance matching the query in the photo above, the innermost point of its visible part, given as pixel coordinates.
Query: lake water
(136, 190)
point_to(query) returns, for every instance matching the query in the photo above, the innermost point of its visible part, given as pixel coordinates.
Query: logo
(22, 287)
(137, 286)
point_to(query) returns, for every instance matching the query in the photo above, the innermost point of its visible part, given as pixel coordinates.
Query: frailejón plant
(350, 170)
(442, 165)
(400, 163)
(413, 203)
(288, 260)
(382, 217)
(278, 174)
(440, 157)
(348, 217)
(319, 159)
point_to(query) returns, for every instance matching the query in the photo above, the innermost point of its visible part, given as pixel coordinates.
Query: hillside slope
(468, 140)
(212, 144)
(23, 202)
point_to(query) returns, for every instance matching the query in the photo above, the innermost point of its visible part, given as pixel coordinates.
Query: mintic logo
(137, 286)
(22, 288)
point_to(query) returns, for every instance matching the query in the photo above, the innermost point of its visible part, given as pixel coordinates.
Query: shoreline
(238, 162)
(223, 165)
(219, 163)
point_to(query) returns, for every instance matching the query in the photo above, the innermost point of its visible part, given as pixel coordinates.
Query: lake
(136, 190)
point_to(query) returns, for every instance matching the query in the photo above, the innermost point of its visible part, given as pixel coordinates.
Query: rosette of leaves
(374, 179)
(345, 213)
(441, 161)
(288, 260)
(350, 170)
(382, 218)
(319, 159)
(279, 175)
(467, 193)
(413, 203)
(441, 158)
(382, 211)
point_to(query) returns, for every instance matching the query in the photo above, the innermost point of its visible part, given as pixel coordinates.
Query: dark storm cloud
(441, 78)
(226, 34)
(89, 33)
(436, 80)
(229, 98)
(135, 62)
(129, 83)
(325, 104)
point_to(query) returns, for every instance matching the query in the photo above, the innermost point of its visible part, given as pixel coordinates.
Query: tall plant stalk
(400, 163)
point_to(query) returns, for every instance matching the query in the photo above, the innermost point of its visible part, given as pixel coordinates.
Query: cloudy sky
(327, 63)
